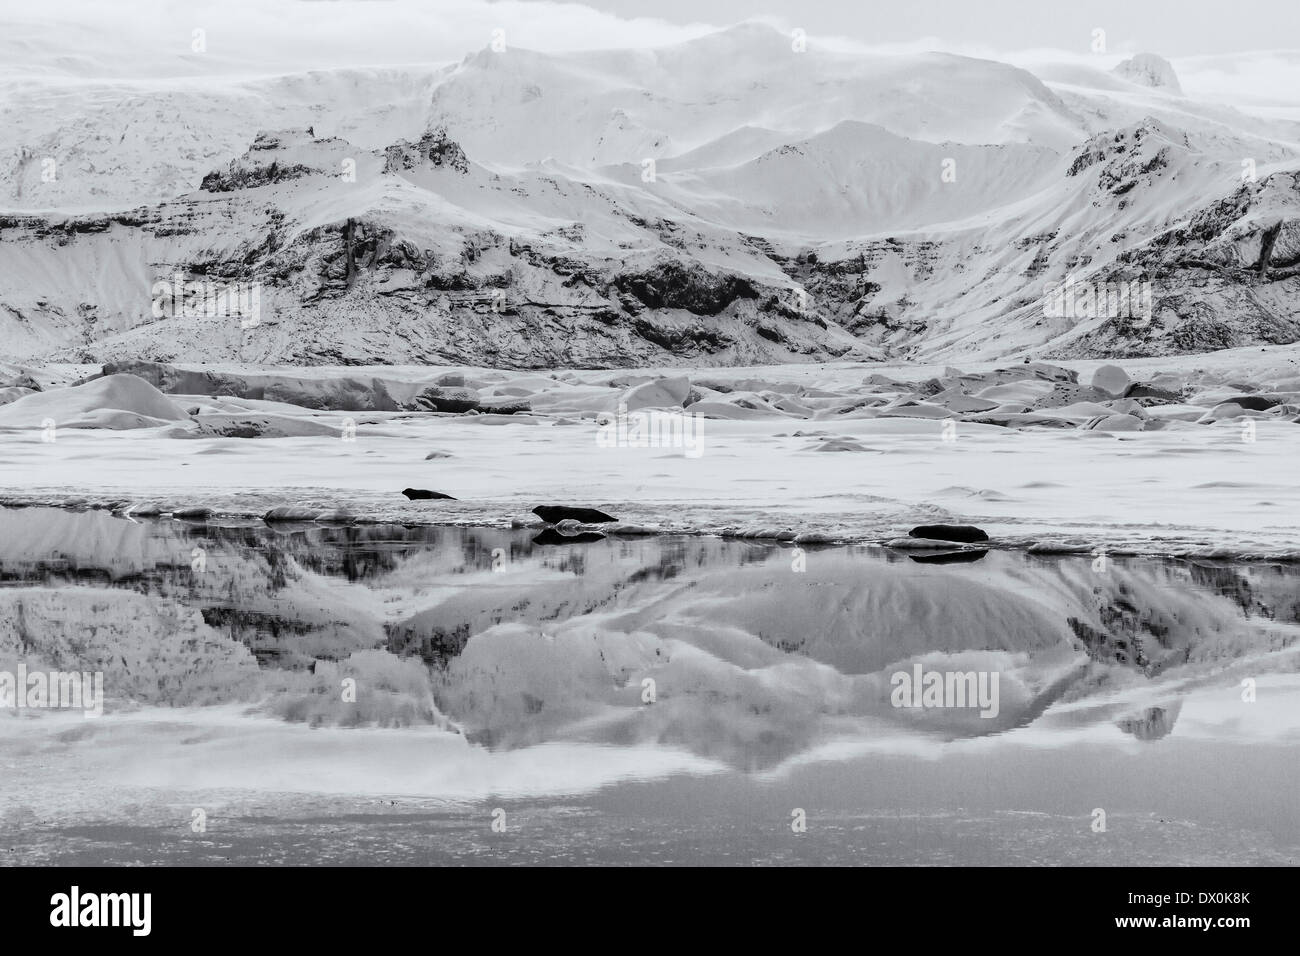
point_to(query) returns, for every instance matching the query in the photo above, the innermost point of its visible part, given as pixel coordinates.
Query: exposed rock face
(250, 177)
(689, 286)
(435, 148)
(254, 169)
(1226, 278)
(372, 289)
(1128, 157)
(426, 251)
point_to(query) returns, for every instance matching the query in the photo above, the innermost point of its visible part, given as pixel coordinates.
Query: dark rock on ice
(949, 532)
(554, 514)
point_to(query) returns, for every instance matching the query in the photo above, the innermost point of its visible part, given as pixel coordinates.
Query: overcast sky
(1170, 27)
(152, 38)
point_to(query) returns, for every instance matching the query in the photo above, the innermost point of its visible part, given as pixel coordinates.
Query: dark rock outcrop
(435, 148)
(965, 533)
(678, 285)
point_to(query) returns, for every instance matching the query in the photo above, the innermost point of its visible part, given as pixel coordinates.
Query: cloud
(158, 38)
(145, 40)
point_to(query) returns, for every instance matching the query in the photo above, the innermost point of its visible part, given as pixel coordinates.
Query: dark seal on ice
(949, 532)
(554, 514)
(419, 494)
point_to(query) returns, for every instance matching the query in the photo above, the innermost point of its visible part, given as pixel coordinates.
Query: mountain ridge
(542, 209)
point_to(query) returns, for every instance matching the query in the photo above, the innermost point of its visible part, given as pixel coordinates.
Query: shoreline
(233, 510)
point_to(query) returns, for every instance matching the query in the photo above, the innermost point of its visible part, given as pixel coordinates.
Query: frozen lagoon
(498, 674)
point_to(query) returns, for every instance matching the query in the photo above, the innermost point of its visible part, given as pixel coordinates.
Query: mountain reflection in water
(746, 657)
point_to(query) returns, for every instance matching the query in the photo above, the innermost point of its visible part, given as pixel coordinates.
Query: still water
(413, 695)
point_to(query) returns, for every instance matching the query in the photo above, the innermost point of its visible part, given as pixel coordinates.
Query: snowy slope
(727, 200)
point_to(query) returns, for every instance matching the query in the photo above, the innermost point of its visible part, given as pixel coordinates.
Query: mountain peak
(748, 38)
(1148, 69)
(435, 148)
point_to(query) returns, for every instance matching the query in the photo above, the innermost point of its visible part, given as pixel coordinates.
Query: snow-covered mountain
(734, 199)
